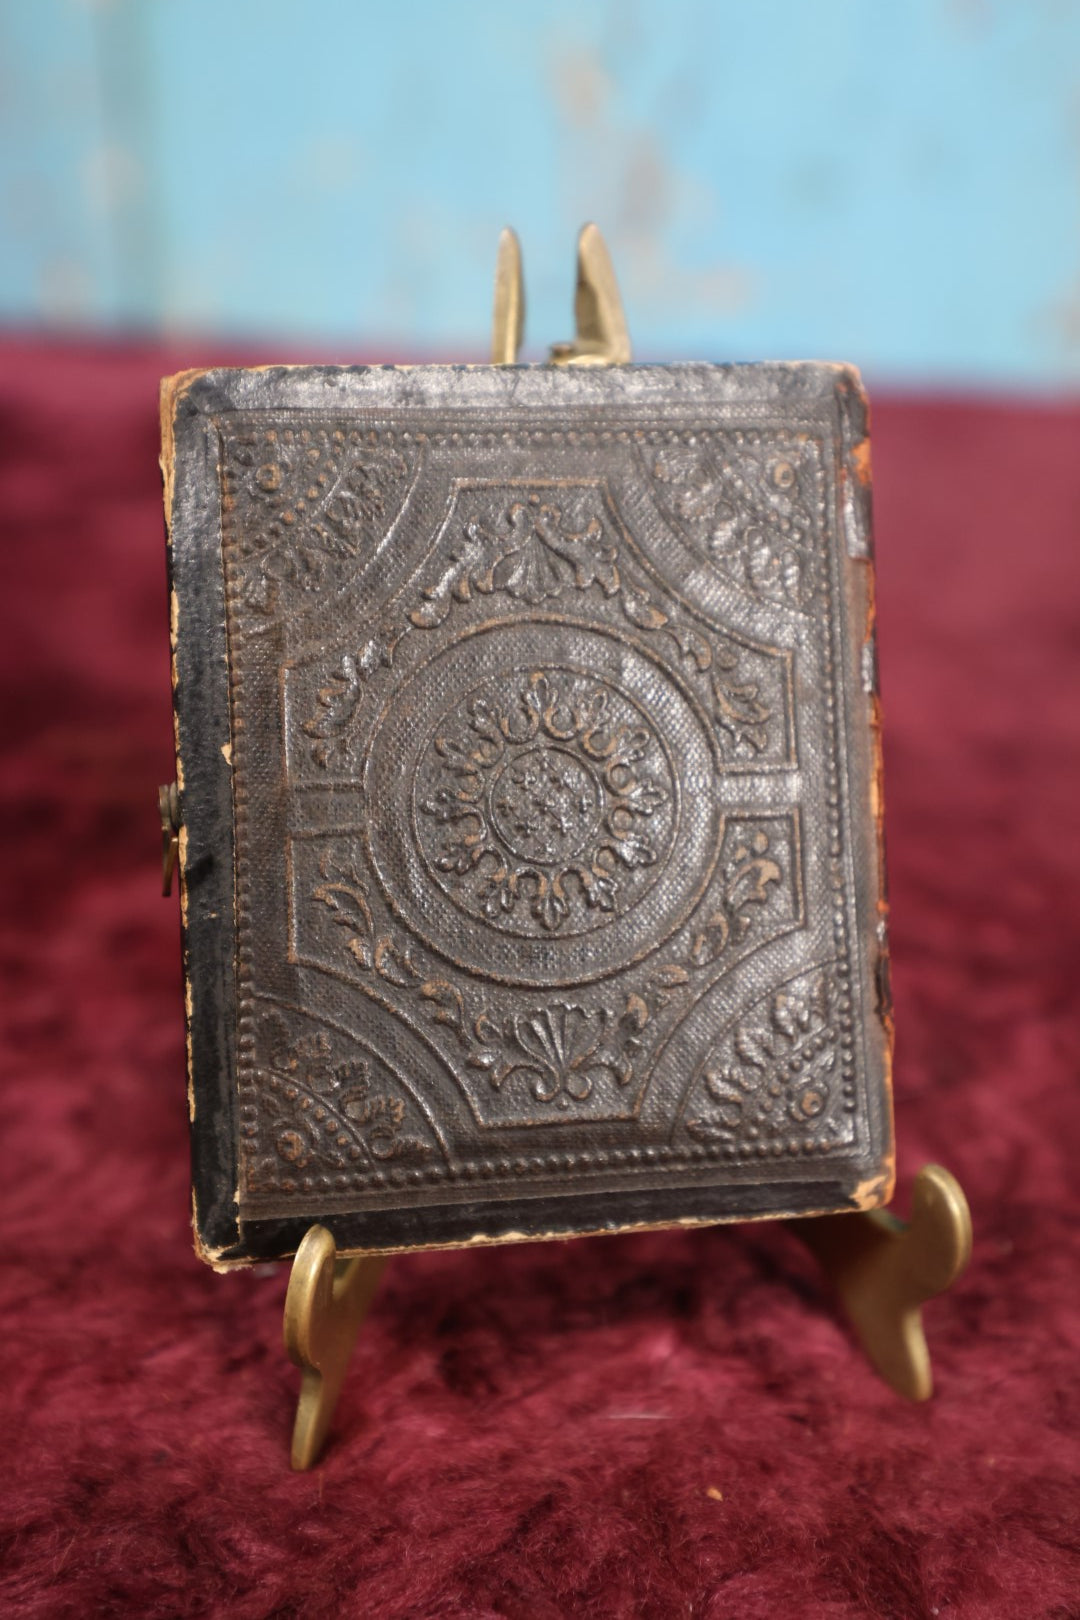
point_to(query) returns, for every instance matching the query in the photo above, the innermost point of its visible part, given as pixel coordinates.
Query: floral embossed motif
(748, 504)
(534, 549)
(303, 503)
(561, 1052)
(752, 879)
(332, 726)
(533, 552)
(329, 1112)
(777, 1078)
(343, 893)
(542, 800)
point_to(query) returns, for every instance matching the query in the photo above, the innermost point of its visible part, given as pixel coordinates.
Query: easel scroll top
(601, 338)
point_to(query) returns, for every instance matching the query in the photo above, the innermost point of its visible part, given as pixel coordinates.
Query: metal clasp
(168, 798)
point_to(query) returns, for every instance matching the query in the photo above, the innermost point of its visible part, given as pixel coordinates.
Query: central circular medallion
(546, 812)
(545, 804)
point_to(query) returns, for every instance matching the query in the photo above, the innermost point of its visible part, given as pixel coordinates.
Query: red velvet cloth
(675, 1424)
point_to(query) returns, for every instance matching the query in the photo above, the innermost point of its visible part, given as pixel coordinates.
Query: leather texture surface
(527, 738)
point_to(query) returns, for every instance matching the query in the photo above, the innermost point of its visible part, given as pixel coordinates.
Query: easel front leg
(884, 1272)
(327, 1300)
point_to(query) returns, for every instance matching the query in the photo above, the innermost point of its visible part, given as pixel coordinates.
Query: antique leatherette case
(527, 746)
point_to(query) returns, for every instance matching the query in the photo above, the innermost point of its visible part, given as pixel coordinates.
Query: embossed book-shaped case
(528, 745)
(529, 782)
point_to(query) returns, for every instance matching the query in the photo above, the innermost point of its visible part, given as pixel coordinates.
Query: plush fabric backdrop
(666, 1425)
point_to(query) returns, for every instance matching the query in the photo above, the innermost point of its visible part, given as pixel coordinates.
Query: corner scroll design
(321, 1112)
(301, 505)
(777, 1080)
(749, 502)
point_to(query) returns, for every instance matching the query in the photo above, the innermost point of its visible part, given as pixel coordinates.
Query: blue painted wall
(898, 184)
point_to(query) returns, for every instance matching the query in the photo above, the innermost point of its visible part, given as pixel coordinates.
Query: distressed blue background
(894, 184)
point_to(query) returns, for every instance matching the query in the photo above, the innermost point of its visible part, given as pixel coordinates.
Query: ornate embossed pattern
(775, 1084)
(747, 502)
(534, 551)
(543, 801)
(592, 1048)
(319, 1109)
(559, 1051)
(547, 801)
(302, 502)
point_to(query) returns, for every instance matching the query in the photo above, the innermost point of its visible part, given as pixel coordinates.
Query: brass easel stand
(327, 1300)
(883, 1271)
